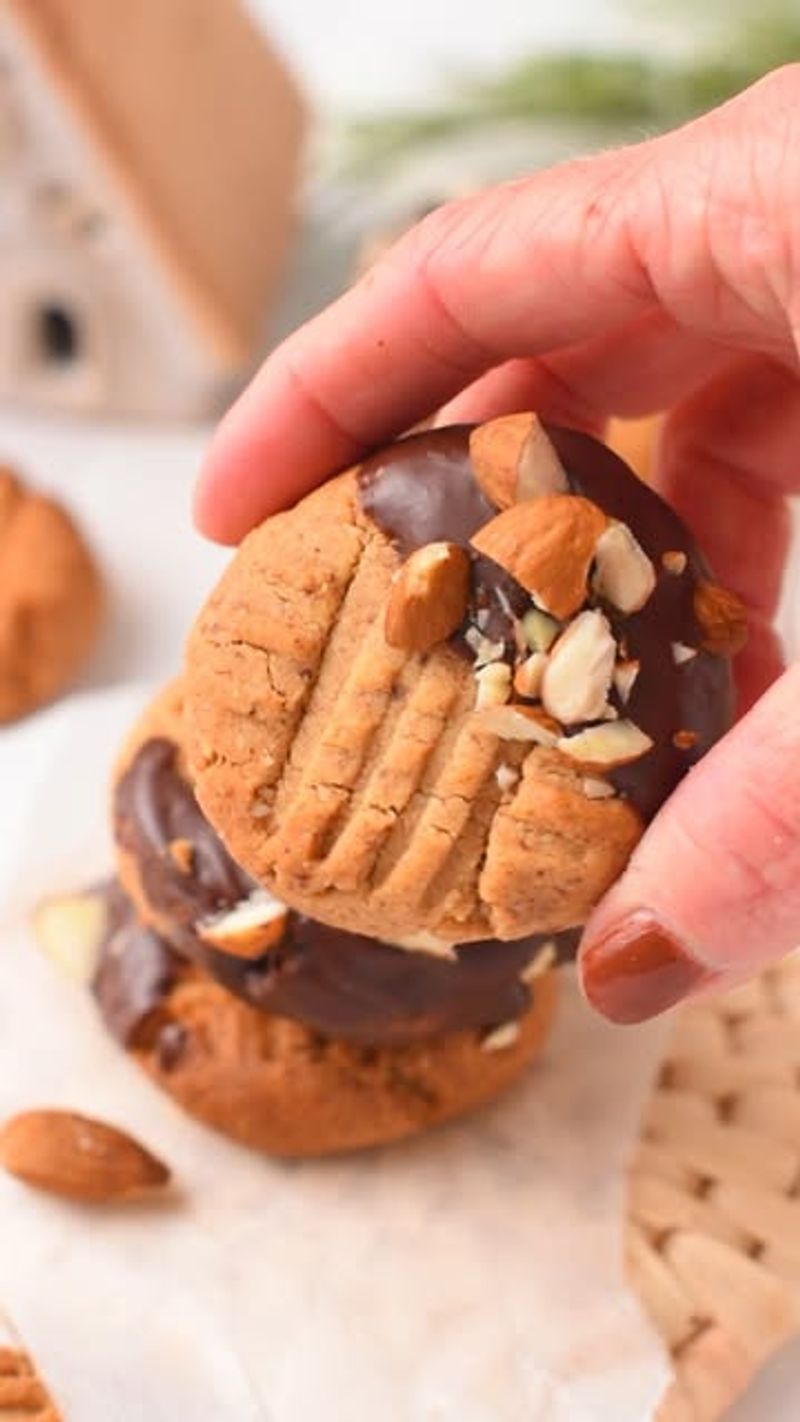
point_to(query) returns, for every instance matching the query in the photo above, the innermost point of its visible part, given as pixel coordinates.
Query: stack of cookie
(431, 708)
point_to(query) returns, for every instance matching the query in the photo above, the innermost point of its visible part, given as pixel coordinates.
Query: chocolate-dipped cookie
(447, 691)
(186, 887)
(292, 1037)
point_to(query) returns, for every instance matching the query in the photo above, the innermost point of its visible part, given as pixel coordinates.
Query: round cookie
(185, 885)
(276, 1085)
(50, 598)
(446, 692)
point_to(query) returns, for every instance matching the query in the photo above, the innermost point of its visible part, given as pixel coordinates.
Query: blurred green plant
(725, 47)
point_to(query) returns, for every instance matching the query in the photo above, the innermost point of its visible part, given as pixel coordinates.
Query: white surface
(474, 1273)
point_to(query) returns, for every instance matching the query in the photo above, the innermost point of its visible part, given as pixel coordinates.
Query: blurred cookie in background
(51, 598)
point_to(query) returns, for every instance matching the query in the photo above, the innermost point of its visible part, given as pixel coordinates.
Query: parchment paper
(474, 1274)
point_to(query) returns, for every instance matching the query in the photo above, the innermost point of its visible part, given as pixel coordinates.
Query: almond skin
(514, 460)
(428, 598)
(722, 618)
(77, 1157)
(547, 544)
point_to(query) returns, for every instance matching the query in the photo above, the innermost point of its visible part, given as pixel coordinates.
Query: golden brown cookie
(50, 598)
(393, 751)
(277, 1086)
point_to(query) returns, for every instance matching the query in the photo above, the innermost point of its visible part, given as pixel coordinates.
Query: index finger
(475, 283)
(521, 270)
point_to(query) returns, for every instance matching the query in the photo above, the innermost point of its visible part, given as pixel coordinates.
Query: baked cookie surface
(50, 598)
(446, 692)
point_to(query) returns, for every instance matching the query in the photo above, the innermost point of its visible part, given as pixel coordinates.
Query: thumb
(713, 890)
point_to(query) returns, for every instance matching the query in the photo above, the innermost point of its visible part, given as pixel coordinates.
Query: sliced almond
(624, 575)
(547, 544)
(577, 678)
(423, 942)
(682, 654)
(514, 459)
(545, 959)
(501, 1038)
(485, 649)
(520, 723)
(674, 562)
(625, 674)
(539, 630)
(507, 778)
(606, 747)
(69, 931)
(595, 789)
(77, 1156)
(249, 929)
(494, 685)
(722, 617)
(528, 675)
(428, 598)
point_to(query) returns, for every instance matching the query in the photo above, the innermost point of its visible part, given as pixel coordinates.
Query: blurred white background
(358, 56)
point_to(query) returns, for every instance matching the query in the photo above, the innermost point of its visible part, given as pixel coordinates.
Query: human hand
(664, 274)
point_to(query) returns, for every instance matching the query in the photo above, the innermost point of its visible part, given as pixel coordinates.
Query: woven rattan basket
(714, 1211)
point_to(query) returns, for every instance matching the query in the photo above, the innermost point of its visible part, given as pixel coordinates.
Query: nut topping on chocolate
(577, 678)
(624, 575)
(547, 545)
(520, 723)
(514, 460)
(674, 562)
(722, 617)
(539, 630)
(625, 674)
(607, 746)
(247, 930)
(428, 598)
(529, 674)
(494, 685)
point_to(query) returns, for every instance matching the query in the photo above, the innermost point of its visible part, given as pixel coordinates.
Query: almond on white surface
(69, 930)
(577, 678)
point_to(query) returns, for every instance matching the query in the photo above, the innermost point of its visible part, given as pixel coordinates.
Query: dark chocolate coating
(341, 984)
(153, 807)
(137, 967)
(423, 489)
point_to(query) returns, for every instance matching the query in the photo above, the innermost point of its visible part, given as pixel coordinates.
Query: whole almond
(428, 598)
(514, 459)
(722, 618)
(547, 544)
(78, 1157)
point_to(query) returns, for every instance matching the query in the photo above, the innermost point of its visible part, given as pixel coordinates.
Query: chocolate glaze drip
(341, 984)
(423, 489)
(136, 971)
(153, 807)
